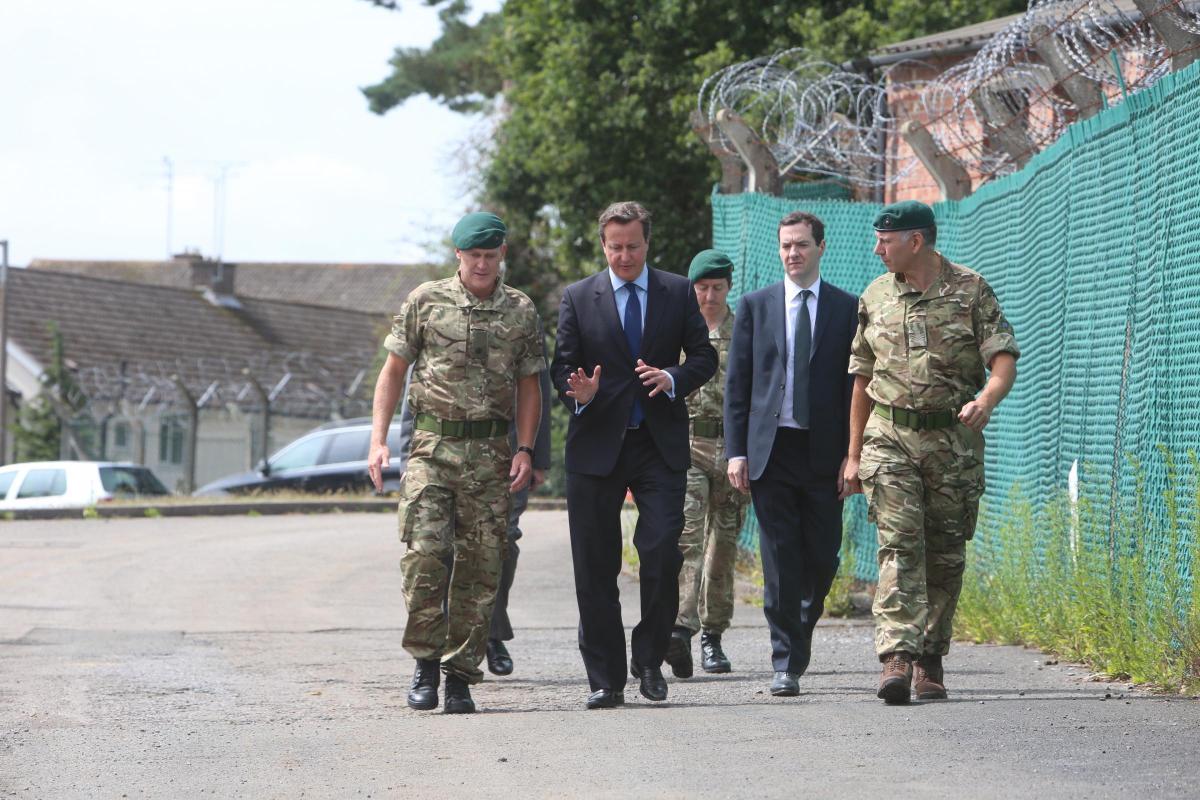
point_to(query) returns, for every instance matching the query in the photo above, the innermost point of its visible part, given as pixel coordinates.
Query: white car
(73, 484)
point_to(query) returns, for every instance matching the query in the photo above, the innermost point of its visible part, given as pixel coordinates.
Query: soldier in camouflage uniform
(713, 510)
(474, 345)
(927, 330)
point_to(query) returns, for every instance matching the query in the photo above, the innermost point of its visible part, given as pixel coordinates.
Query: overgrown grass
(1115, 591)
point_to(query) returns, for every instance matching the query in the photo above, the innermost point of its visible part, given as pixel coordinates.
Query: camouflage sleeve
(862, 357)
(992, 330)
(530, 356)
(405, 338)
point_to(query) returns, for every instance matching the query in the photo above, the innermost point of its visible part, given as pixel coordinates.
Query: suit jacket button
(777, 413)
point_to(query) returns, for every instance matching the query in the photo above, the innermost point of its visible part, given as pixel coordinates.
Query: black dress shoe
(423, 694)
(712, 657)
(786, 684)
(498, 660)
(605, 698)
(679, 653)
(458, 696)
(653, 685)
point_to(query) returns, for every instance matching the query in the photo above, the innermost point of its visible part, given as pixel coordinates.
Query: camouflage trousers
(454, 505)
(713, 512)
(923, 490)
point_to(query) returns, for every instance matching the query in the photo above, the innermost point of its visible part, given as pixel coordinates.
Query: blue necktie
(633, 335)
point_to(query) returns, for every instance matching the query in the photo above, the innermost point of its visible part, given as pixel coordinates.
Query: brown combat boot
(928, 679)
(896, 679)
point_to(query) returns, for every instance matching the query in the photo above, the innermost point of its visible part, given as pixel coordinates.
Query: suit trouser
(594, 509)
(800, 533)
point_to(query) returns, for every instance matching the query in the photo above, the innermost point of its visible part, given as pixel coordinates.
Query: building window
(170, 442)
(121, 434)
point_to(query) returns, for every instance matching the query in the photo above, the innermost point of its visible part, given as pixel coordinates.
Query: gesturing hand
(581, 387)
(653, 376)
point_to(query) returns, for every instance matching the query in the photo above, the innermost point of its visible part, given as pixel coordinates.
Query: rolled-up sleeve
(862, 357)
(405, 338)
(992, 330)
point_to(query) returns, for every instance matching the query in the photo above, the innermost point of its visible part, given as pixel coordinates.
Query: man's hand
(739, 475)
(975, 415)
(653, 376)
(521, 472)
(848, 482)
(539, 477)
(581, 387)
(377, 462)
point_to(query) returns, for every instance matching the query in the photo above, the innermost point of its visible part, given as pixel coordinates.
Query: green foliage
(1059, 579)
(596, 98)
(37, 436)
(152, 513)
(91, 513)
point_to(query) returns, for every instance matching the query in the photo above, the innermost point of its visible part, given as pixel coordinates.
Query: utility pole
(4, 351)
(170, 203)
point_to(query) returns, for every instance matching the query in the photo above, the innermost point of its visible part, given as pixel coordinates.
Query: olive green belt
(462, 428)
(709, 427)
(929, 421)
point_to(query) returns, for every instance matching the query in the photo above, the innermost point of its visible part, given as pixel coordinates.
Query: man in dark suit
(787, 411)
(617, 368)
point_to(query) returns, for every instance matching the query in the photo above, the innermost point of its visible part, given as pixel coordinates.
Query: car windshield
(304, 453)
(130, 481)
(6, 479)
(43, 483)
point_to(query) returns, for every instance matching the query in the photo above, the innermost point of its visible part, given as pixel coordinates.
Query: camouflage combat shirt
(926, 351)
(708, 401)
(466, 353)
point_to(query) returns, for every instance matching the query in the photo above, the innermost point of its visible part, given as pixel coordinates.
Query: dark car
(331, 458)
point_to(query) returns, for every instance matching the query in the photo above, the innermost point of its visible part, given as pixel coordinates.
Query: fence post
(265, 429)
(733, 171)
(1002, 124)
(951, 177)
(764, 169)
(1084, 92)
(1182, 44)
(189, 443)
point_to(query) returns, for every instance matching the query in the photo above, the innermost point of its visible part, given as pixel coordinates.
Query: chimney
(212, 277)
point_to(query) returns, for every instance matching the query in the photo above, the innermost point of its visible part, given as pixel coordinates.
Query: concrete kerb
(256, 506)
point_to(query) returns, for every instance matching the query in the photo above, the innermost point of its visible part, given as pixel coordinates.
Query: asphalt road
(260, 657)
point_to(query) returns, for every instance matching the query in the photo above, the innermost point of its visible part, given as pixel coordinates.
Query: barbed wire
(1056, 63)
(295, 383)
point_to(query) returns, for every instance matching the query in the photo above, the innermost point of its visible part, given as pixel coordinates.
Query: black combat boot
(712, 657)
(423, 695)
(679, 653)
(458, 696)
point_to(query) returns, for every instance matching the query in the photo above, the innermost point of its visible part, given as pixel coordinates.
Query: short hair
(928, 235)
(625, 212)
(797, 217)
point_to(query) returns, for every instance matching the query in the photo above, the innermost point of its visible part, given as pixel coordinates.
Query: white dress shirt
(791, 307)
(641, 285)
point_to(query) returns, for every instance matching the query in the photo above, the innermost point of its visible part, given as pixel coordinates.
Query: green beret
(710, 264)
(479, 230)
(907, 215)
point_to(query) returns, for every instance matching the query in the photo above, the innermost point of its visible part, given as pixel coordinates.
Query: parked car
(331, 458)
(74, 484)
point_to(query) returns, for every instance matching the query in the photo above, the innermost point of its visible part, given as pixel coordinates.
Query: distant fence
(1093, 250)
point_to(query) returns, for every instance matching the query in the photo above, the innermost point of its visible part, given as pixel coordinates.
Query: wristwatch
(525, 449)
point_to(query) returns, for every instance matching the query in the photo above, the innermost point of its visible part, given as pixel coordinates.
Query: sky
(96, 94)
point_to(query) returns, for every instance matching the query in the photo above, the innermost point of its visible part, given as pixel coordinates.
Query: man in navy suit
(617, 368)
(787, 412)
